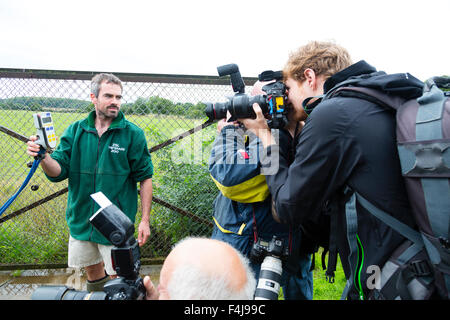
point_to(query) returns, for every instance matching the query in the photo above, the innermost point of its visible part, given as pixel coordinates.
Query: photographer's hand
(224, 122)
(152, 292)
(259, 126)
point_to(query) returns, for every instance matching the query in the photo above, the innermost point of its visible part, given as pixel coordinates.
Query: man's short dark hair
(98, 79)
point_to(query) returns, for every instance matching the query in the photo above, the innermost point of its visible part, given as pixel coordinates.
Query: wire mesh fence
(170, 110)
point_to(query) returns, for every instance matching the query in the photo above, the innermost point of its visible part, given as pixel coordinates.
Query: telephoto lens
(216, 110)
(65, 293)
(269, 279)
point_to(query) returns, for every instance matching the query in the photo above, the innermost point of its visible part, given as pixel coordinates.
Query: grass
(323, 290)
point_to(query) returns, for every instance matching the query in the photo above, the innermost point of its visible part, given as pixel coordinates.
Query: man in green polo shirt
(104, 152)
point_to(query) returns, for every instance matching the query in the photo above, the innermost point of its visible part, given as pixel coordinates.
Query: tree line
(142, 106)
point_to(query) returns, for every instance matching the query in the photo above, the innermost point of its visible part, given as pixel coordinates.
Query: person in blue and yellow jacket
(242, 209)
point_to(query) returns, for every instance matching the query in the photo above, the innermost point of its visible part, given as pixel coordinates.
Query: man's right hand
(33, 148)
(50, 166)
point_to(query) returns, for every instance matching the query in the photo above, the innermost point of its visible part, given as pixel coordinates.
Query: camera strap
(308, 107)
(97, 285)
(255, 229)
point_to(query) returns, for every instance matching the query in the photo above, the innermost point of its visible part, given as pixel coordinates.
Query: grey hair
(98, 79)
(189, 282)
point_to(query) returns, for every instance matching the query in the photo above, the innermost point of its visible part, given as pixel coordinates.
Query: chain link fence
(170, 110)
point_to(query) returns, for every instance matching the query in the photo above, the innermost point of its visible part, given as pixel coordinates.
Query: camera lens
(243, 105)
(216, 110)
(65, 293)
(240, 106)
(269, 279)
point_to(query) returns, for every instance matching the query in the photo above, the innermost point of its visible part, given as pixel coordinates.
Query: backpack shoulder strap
(353, 240)
(391, 101)
(351, 219)
(429, 115)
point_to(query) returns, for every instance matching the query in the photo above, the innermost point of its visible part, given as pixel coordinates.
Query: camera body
(275, 248)
(112, 223)
(125, 255)
(270, 255)
(273, 103)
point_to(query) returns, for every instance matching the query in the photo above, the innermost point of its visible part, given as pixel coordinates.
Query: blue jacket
(244, 196)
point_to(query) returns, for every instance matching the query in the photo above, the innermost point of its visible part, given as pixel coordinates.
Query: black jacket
(348, 141)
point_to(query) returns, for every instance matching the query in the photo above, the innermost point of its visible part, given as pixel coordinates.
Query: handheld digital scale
(45, 131)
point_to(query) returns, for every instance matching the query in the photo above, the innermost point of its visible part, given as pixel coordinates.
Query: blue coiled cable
(24, 184)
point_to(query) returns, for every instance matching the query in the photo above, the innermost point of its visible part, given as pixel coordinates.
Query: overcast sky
(194, 36)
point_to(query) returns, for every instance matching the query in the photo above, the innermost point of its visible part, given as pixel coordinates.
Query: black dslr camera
(112, 223)
(275, 247)
(273, 104)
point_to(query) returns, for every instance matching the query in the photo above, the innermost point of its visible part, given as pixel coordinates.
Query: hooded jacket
(112, 164)
(348, 141)
(243, 202)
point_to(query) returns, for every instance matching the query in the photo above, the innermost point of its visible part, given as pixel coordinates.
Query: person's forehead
(291, 82)
(110, 87)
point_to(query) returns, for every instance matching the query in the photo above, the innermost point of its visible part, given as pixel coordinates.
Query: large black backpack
(420, 267)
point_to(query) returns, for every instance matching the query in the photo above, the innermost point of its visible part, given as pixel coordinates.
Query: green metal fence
(169, 108)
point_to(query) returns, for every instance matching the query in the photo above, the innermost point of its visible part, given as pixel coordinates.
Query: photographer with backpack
(346, 157)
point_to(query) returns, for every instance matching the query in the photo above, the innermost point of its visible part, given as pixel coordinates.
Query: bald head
(202, 268)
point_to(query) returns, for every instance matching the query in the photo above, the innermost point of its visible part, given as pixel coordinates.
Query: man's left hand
(143, 232)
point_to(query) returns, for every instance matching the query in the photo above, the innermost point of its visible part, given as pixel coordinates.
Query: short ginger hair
(325, 58)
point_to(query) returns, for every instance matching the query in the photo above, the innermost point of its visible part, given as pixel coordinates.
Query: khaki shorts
(86, 253)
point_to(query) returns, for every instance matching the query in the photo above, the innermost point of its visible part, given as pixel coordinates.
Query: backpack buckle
(329, 276)
(420, 268)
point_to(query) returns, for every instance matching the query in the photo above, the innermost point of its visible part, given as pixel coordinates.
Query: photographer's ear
(310, 77)
(314, 82)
